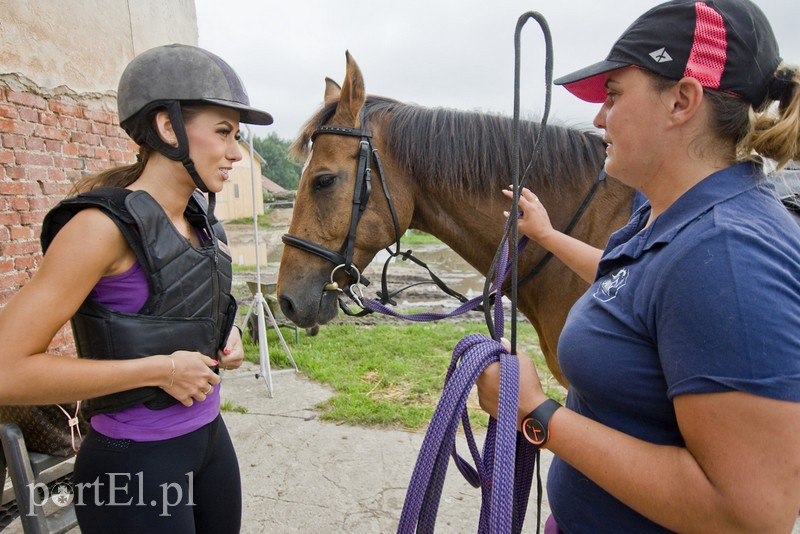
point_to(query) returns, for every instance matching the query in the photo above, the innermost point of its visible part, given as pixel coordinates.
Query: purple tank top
(127, 292)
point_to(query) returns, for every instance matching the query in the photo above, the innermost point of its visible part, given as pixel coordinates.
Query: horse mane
(472, 152)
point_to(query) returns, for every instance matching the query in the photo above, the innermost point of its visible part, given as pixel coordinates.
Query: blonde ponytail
(775, 130)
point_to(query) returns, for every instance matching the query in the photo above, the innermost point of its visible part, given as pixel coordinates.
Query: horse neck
(471, 224)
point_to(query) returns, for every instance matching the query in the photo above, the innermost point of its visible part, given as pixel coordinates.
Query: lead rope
(506, 470)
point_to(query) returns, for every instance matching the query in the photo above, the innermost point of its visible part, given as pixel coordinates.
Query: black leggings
(181, 485)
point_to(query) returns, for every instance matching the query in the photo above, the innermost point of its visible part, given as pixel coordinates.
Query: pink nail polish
(215, 362)
(227, 351)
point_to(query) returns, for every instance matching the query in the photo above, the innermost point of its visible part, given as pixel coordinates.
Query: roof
(270, 186)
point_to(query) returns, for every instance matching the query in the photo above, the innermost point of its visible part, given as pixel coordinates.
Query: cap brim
(589, 83)
(248, 115)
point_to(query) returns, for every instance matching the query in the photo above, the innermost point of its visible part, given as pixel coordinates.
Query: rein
(506, 470)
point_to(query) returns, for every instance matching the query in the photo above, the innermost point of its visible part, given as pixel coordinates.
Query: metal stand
(259, 303)
(260, 307)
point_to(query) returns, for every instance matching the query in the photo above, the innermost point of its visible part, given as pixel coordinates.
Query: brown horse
(445, 170)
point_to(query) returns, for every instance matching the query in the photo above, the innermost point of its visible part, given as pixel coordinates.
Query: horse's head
(341, 217)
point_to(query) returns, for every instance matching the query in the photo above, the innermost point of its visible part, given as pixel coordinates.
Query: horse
(443, 170)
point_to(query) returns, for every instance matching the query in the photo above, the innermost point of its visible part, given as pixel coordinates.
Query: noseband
(343, 258)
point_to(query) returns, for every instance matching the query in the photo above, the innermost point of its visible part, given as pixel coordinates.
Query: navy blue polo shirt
(706, 299)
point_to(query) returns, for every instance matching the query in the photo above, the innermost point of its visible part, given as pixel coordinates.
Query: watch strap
(536, 425)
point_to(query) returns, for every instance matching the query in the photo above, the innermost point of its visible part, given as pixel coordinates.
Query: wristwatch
(536, 425)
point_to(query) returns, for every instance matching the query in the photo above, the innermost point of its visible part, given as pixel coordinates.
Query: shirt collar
(633, 239)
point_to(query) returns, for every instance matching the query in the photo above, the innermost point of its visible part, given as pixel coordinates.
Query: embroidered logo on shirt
(609, 288)
(661, 55)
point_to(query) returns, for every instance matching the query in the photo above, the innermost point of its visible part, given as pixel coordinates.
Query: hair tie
(138, 157)
(781, 84)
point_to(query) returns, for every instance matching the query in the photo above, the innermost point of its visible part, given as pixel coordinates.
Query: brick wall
(48, 140)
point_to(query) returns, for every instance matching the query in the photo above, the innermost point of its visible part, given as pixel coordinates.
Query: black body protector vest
(190, 306)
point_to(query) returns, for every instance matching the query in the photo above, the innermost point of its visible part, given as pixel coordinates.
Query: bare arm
(87, 248)
(739, 471)
(534, 222)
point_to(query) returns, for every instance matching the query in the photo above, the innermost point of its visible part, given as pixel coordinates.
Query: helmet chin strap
(181, 152)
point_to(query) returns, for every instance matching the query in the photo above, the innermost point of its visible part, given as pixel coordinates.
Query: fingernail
(215, 362)
(227, 351)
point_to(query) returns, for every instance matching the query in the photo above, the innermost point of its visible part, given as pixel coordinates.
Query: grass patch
(418, 237)
(263, 220)
(228, 406)
(388, 375)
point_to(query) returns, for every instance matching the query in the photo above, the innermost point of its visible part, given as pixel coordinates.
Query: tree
(278, 164)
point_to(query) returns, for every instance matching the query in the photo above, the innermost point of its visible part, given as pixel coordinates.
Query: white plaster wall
(85, 44)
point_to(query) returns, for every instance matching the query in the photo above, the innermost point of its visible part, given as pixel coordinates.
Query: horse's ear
(351, 96)
(332, 91)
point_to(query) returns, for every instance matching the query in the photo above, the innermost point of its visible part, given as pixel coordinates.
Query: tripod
(260, 307)
(259, 304)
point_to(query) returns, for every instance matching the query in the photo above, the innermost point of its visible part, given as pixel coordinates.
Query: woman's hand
(189, 376)
(232, 356)
(534, 221)
(531, 394)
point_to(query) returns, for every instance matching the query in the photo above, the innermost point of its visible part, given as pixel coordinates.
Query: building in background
(235, 201)
(59, 67)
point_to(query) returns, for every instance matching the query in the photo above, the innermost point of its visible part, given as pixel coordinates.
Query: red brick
(41, 203)
(85, 138)
(53, 146)
(68, 163)
(15, 127)
(8, 111)
(34, 143)
(71, 149)
(59, 189)
(32, 158)
(82, 125)
(15, 173)
(18, 248)
(101, 153)
(9, 218)
(56, 175)
(18, 188)
(50, 132)
(86, 151)
(21, 232)
(64, 108)
(27, 99)
(6, 156)
(38, 174)
(29, 114)
(20, 204)
(6, 264)
(32, 218)
(27, 263)
(48, 119)
(13, 141)
(98, 116)
(67, 123)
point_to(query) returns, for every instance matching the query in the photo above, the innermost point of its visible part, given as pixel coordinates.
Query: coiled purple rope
(505, 472)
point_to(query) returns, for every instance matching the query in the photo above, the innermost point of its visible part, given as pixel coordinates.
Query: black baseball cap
(727, 45)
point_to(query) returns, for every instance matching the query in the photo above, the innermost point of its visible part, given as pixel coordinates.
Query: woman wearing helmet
(138, 264)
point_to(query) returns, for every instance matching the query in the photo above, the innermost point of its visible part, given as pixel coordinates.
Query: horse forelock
(471, 152)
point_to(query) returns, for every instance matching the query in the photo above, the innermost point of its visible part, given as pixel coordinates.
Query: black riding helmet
(163, 78)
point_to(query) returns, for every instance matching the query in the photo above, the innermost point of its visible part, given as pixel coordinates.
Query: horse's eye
(324, 181)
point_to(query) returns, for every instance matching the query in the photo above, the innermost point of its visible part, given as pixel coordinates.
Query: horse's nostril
(287, 307)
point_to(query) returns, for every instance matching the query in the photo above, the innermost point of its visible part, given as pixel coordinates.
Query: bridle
(343, 258)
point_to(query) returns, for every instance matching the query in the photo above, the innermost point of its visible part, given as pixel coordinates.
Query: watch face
(534, 431)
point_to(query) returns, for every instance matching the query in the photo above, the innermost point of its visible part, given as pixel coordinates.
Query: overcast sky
(438, 53)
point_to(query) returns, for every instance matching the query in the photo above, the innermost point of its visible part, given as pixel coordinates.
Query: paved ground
(304, 475)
